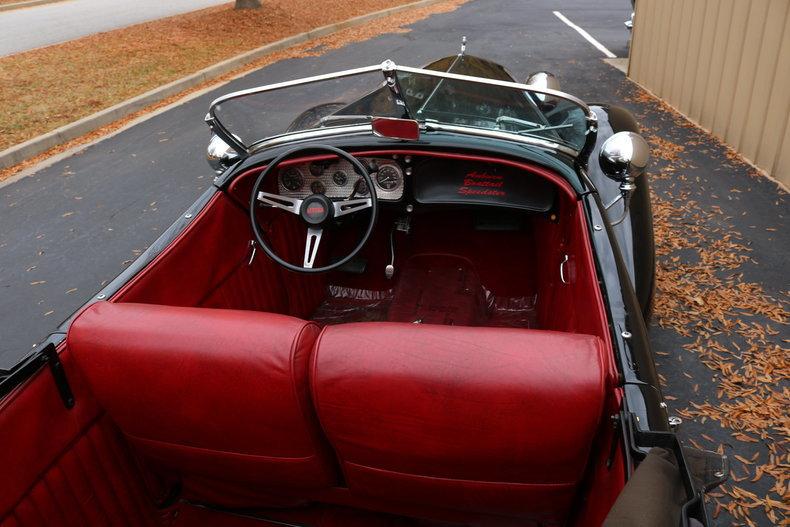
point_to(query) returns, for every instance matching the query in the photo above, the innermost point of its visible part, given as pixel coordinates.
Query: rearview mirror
(403, 129)
(623, 158)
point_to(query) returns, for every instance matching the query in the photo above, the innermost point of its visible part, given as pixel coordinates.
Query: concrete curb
(29, 3)
(32, 147)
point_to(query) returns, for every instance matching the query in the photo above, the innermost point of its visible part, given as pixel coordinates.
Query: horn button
(317, 209)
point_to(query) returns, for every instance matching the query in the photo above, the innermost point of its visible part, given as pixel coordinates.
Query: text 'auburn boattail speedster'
(411, 297)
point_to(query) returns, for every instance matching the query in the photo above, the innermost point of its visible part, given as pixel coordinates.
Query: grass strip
(46, 88)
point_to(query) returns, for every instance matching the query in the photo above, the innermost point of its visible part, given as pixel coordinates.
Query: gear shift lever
(389, 270)
(402, 224)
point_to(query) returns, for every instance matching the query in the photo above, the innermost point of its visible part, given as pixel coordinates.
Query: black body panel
(640, 244)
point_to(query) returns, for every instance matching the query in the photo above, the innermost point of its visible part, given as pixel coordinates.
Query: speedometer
(388, 177)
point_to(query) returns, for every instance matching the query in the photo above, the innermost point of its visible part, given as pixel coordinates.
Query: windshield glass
(427, 96)
(257, 116)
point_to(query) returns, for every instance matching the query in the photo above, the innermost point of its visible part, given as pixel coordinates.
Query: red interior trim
(118, 295)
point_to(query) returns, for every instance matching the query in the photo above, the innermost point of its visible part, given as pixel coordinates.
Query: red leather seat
(220, 397)
(486, 420)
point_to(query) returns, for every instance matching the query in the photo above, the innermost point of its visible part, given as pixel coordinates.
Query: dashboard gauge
(316, 169)
(316, 187)
(388, 177)
(292, 179)
(362, 188)
(340, 178)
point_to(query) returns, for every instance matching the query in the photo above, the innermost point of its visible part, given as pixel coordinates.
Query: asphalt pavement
(43, 25)
(70, 228)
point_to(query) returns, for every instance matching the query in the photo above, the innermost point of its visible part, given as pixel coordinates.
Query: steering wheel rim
(297, 206)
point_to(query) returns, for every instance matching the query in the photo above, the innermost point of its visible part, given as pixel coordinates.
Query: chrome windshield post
(389, 69)
(218, 129)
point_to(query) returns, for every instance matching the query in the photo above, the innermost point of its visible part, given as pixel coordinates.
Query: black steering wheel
(316, 210)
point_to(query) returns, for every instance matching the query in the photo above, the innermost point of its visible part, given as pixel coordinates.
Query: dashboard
(420, 180)
(337, 179)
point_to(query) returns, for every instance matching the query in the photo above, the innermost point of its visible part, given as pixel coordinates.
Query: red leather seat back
(215, 395)
(487, 420)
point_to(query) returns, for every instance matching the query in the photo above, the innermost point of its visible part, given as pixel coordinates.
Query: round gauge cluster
(316, 169)
(338, 179)
(316, 187)
(292, 179)
(388, 177)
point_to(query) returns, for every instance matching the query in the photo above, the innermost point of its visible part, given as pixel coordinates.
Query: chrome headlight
(624, 156)
(220, 155)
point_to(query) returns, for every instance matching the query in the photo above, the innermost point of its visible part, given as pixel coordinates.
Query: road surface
(44, 25)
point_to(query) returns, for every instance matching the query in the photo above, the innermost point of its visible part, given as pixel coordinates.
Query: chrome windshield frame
(387, 67)
(430, 126)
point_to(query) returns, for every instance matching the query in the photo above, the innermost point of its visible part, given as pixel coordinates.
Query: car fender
(635, 234)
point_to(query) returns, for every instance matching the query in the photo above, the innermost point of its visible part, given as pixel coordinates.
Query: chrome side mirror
(623, 158)
(544, 80)
(220, 155)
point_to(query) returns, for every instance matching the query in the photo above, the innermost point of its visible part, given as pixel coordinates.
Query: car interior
(458, 370)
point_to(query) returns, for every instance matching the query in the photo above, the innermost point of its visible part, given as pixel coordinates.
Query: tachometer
(340, 178)
(292, 179)
(388, 177)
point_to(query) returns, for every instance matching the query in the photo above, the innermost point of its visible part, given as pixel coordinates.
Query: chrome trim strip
(364, 129)
(494, 82)
(358, 129)
(288, 84)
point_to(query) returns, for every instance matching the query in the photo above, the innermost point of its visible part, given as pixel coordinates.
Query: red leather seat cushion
(489, 420)
(207, 392)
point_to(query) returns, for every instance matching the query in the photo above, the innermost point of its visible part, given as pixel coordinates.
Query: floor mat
(347, 304)
(512, 312)
(439, 289)
(430, 289)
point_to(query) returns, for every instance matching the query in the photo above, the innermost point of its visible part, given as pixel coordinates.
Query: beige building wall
(725, 64)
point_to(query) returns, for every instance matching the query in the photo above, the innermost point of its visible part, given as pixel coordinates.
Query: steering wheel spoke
(311, 246)
(351, 205)
(292, 205)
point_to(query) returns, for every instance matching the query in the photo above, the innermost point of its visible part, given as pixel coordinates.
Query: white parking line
(586, 36)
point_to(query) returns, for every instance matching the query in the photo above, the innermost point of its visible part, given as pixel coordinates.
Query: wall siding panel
(725, 64)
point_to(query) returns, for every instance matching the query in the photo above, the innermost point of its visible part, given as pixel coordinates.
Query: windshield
(438, 99)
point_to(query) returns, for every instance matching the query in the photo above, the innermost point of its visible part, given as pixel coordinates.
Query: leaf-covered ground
(720, 328)
(61, 102)
(49, 87)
